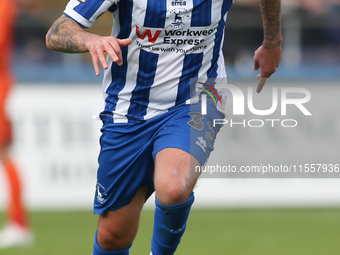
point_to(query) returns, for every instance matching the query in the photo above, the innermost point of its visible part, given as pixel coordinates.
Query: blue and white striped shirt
(173, 41)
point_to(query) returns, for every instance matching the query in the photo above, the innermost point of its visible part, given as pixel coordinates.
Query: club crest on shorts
(100, 190)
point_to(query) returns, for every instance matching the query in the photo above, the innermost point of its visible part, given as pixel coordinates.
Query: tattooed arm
(271, 16)
(68, 36)
(268, 56)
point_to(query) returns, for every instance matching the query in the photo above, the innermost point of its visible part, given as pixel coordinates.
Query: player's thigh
(118, 228)
(173, 177)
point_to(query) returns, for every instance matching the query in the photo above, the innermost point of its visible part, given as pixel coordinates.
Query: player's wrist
(272, 44)
(90, 40)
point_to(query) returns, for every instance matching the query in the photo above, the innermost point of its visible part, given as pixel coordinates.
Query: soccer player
(156, 47)
(17, 231)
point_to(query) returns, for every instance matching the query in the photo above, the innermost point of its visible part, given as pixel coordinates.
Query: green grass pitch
(209, 232)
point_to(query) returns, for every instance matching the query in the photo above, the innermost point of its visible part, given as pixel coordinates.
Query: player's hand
(267, 60)
(97, 45)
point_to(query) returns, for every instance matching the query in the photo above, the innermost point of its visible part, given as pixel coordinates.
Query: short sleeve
(85, 12)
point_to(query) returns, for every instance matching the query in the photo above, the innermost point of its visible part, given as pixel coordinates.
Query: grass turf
(212, 232)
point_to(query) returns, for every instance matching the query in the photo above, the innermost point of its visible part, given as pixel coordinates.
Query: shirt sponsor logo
(148, 33)
(177, 36)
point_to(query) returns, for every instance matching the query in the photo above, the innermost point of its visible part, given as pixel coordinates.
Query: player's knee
(173, 193)
(111, 240)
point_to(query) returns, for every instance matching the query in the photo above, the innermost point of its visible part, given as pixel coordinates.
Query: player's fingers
(256, 65)
(113, 46)
(124, 42)
(261, 83)
(267, 71)
(95, 63)
(110, 50)
(117, 55)
(102, 59)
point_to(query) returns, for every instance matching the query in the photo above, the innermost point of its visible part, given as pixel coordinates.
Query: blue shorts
(128, 150)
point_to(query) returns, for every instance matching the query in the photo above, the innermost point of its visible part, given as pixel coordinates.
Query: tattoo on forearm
(67, 36)
(271, 14)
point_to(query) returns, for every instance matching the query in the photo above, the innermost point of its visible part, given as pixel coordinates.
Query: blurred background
(56, 140)
(310, 47)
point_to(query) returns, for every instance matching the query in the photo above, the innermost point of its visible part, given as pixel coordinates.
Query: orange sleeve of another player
(7, 20)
